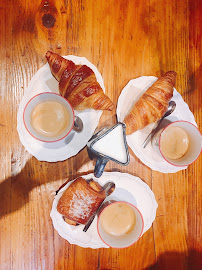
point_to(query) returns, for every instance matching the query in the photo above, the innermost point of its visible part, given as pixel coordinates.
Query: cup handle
(78, 124)
(100, 166)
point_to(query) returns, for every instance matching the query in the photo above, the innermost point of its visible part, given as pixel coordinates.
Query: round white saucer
(43, 81)
(128, 188)
(130, 93)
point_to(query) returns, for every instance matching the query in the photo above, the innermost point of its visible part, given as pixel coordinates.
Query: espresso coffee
(174, 142)
(50, 118)
(118, 219)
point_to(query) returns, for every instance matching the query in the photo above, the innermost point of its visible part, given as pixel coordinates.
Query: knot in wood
(48, 20)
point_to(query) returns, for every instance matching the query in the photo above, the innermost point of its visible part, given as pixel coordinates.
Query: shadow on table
(15, 190)
(178, 261)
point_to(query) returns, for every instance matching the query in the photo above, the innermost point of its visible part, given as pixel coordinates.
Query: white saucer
(128, 188)
(130, 93)
(43, 81)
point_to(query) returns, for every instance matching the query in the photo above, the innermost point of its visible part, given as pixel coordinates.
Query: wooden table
(124, 39)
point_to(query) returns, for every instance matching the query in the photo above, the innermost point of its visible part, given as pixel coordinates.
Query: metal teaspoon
(108, 188)
(171, 108)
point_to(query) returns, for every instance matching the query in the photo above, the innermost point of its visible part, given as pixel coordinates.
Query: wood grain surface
(124, 39)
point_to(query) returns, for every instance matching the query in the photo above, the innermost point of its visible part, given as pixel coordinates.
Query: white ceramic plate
(130, 93)
(43, 81)
(128, 188)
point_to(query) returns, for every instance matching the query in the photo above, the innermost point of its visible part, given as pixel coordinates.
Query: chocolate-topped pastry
(80, 200)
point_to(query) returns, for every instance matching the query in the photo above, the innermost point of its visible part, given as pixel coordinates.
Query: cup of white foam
(49, 117)
(120, 224)
(180, 143)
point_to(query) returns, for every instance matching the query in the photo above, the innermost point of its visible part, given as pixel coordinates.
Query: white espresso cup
(194, 145)
(128, 238)
(39, 99)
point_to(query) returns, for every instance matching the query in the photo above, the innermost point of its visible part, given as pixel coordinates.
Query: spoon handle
(108, 188)
(91, 219)
(148, 139)
(89, 223)
(171, 108)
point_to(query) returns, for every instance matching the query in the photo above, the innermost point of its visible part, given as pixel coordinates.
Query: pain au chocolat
(80, 200)
(78, 84)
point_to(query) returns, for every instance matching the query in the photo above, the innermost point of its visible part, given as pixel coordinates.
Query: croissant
(78, 84)
(152, 105)
(80, 200)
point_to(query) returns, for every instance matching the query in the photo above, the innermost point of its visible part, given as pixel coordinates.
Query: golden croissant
(152, 105)
(78, 84)
(80, 200)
